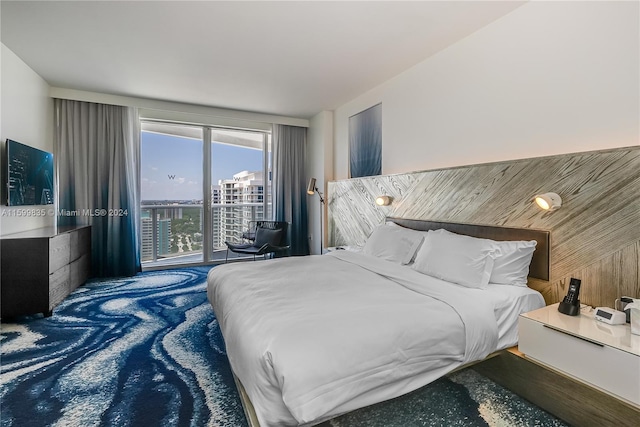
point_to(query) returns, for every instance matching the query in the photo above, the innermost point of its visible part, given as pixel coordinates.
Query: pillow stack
(465, 260)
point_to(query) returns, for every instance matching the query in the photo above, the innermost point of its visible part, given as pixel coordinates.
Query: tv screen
(30, 175)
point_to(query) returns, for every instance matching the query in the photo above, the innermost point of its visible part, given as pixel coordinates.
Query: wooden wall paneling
(350, 215)
(609, 278)
(547, 289)
(629, 280)
(599, 218)
(597, 226)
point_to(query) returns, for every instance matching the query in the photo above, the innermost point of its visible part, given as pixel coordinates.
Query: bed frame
(539, 269)
(252, 418)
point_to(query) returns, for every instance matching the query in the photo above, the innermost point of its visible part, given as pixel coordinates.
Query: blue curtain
(97, 154)
(365, 142)
(289, 186)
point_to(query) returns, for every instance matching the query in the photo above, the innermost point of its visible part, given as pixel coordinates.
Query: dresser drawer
(59, 286)
(605, 367)
(59, 251)
(80, 243)
(79, 271)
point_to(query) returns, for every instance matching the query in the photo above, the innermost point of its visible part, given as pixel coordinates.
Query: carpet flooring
(147, 351)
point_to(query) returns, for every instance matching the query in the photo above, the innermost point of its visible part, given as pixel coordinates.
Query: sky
(171, 167)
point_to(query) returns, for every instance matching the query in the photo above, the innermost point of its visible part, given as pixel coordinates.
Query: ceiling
(285, 58)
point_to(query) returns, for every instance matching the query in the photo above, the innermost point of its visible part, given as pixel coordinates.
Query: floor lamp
(311, 189)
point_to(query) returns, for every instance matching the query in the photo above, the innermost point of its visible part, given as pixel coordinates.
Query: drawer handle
(575, 336)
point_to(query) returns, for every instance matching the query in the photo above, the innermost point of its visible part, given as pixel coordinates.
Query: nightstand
(604, 356)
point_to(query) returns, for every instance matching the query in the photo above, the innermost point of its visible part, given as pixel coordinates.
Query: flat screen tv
(29, 175)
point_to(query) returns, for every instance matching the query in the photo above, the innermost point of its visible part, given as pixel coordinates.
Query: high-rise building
(164, 237)
(240, 201)
(146, 237)
(216, 217)
(163, 234)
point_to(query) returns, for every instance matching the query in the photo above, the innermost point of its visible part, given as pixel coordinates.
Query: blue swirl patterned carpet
(147, 351)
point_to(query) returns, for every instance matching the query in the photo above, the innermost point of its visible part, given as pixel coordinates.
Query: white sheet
(314, 337)
(510, 302)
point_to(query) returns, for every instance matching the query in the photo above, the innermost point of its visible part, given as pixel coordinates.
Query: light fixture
(384, 200)
(548, 201)
(311, 189)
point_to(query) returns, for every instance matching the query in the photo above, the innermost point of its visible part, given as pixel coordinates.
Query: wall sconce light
(311, 190)
(548, 201)
(384, 200)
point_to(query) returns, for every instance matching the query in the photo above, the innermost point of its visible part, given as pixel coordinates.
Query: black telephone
(570, 305)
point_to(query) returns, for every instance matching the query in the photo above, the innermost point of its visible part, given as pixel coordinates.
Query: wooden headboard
(539, 267)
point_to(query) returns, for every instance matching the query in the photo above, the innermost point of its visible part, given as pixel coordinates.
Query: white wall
(26, 115)
(319, 165)
(548, 78)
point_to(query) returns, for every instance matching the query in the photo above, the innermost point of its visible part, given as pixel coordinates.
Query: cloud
(181, 180)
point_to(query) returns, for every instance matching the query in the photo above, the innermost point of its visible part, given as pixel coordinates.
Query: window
(200, 186)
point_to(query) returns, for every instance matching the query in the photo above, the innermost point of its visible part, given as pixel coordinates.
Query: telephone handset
(570, 305)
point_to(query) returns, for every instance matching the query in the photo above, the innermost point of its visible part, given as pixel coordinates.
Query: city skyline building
(216, 216)
(245, 193)
(164, 237)
(236, 203)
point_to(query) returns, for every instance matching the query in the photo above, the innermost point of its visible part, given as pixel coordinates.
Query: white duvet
(313, 337)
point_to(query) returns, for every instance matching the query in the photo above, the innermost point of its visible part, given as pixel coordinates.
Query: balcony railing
(174, 234)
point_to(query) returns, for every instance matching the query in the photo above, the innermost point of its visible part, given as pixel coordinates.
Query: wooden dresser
(41, 267)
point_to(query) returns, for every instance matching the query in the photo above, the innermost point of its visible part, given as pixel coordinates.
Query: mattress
(314, 337)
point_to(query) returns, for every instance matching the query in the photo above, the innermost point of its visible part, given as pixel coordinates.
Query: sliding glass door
(171, 177)
(240, 190)
(200, 186)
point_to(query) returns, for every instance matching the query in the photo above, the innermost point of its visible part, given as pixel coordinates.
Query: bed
(310, 338)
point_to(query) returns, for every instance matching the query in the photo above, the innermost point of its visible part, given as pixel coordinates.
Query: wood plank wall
(595, 235)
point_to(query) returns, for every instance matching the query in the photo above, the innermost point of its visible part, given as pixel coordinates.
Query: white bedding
(313, 337)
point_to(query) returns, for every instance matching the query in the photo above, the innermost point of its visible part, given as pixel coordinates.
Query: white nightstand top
(586, 327)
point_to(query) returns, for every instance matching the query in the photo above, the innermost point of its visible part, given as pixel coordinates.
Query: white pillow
(511, 267)
(456, 258)
(393, 243)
